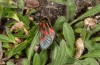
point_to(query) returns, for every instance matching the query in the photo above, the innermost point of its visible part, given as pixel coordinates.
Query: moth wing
(47, 40)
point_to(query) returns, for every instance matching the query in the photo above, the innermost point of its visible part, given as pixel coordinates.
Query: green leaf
(5, 45)
(97, 39)
(36, 60)
(82, 31)
(21, 46)
(91, 61)
(14, 16)
(95, 53)
(24, 19)
(59, 23)
(79, 24)
(77, 63)
(91, 12)
(4, 38)
(87, 61)
(71, 9)
(69, 35)
(10, 35)
(92, 46)
(10, 63)
(6, 4)
(62, 57)
(32, 46)
(83, 62)
(54, 50)
(21, 4)
(8, 12)
(70, 60)
(96, 28)
(18, 49)
(44, 57)
(25, 61)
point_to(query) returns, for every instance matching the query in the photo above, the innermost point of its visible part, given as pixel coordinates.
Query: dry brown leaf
(79, 47)
(90, 23)
(19, 25)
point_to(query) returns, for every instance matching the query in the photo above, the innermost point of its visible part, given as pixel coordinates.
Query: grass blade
(91, 12)
(34, 42)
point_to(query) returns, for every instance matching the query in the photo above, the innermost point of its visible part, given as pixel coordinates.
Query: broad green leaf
(80, 62)
(91, 61)
(59, 23)
(71, 9)
(10, 63)
(77, 63)
(69, 35)
(61, 57)
(95, 53)
(25, 61)
(4, 38)
(87, 61)
(92, 46)
(91, 12)
(83, 62)
(54, 51)
(36, 60)
(44, 57)
(89, 45)
(70, 60)
(32, 46)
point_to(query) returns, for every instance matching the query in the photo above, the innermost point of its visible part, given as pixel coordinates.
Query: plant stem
(73, 21)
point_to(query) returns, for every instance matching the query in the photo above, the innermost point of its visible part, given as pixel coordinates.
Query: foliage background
(57, 54)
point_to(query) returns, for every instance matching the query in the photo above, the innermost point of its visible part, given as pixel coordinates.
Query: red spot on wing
(51, 31)
(42, 38)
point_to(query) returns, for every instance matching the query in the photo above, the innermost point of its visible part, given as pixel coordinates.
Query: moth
(47, 35)
(47, 13)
